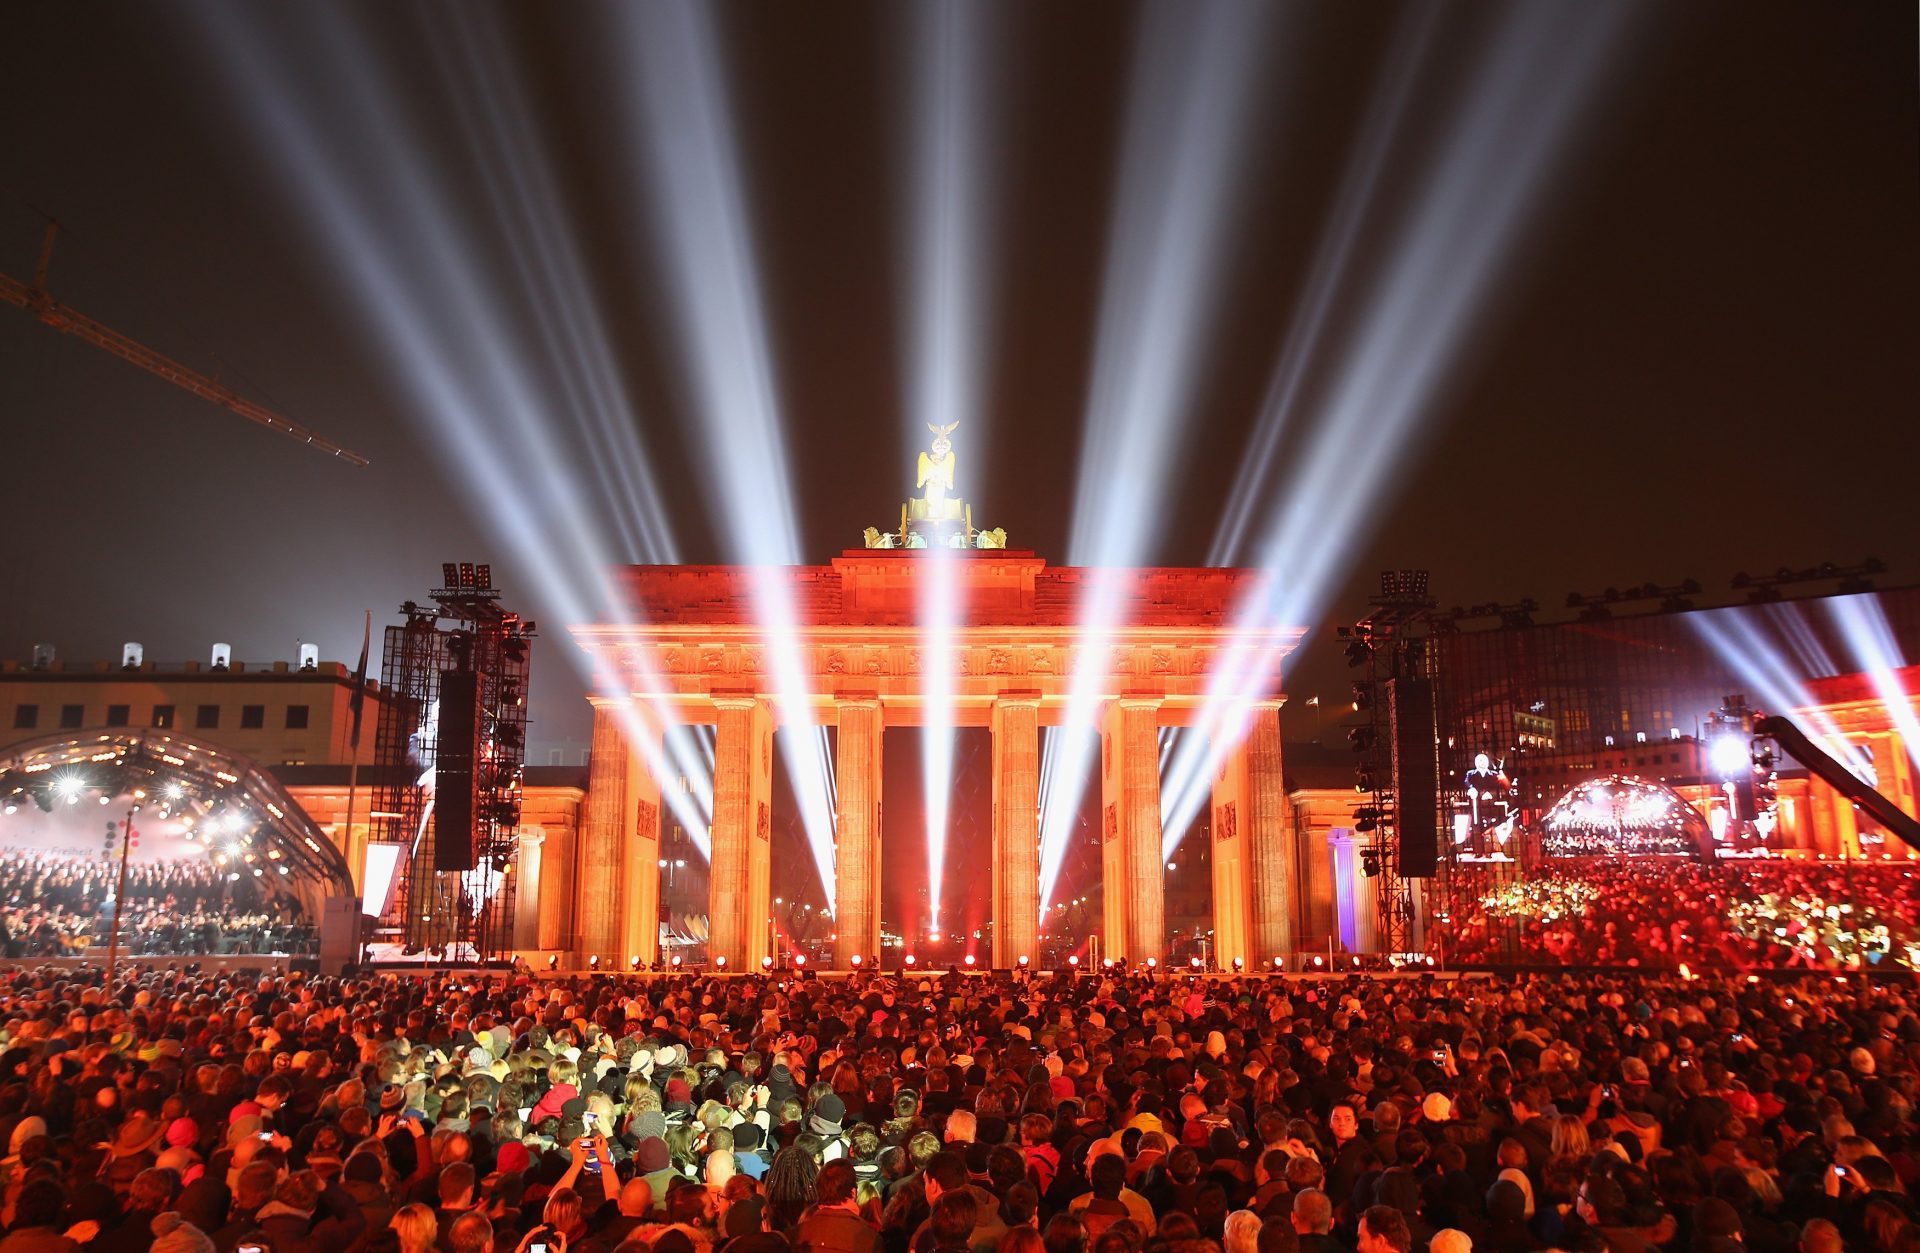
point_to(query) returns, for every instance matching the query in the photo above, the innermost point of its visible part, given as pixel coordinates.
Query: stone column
(742, 828)
(527, 867)
(603, 827)
(1113, 849)
(1232, 884)
(1826, 831)
(1894, 769)
(1316, 877)
(1357, 907)
(354, 846)
(640, 856)
(856, 849)
(759, 913)
(1270, 846)
(555, 932)
(1016, 828)
(1846, 824)
(1131, 807)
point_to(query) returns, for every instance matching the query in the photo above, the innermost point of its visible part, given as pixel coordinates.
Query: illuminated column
(1357, 906)
(555, 932)
(1846, 826)
(1896, 776)
(603, 827)
(856, 857)
(1016, 827)
(1232, 877)
(1130, 808)
(354, 847)
(1315, 859)
(742, 828)
(640, 856)
(1269, 835)
(528, 865)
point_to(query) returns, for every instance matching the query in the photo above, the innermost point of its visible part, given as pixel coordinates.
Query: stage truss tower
(450, 781)
(1389, 644)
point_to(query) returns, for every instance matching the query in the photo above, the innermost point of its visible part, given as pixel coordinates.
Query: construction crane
(35, 300)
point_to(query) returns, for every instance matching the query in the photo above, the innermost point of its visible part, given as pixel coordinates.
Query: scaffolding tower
(454, 897)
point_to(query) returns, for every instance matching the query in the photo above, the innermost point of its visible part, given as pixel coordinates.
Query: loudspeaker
(1416, 782)
(456, 749)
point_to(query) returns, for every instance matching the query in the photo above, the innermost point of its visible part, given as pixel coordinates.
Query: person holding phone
(590, 1171)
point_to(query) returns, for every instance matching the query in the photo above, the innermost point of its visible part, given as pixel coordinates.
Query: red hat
(513, 1158)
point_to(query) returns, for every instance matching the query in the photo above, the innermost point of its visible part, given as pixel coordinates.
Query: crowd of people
(55, 905)
(977, 1113)
(1735, 913)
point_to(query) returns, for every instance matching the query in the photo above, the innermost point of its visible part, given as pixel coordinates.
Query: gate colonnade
(692, 652)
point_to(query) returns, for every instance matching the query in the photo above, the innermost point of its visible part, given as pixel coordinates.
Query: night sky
(1704, 361)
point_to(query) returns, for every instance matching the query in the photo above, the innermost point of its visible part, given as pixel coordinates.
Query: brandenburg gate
(694, 652)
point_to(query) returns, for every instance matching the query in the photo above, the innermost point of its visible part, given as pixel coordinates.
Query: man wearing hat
(132, 1150)
(654, 1163)
(825, 1121)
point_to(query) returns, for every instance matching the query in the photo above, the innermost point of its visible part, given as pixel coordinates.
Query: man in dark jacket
(150, 1196)
(304, 1217)
(252, 1190)
(1313, 1222)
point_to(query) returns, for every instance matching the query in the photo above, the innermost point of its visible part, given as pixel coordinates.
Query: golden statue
(937, 517)
(936, 472)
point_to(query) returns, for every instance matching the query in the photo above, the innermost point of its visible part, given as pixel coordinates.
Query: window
(296, 717)
(72, 716)
(253, 717)
(163, 716)
(206, 718)
(26, 717)
(119, 715)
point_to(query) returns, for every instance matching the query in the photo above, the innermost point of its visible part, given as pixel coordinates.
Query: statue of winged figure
(936, 471)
